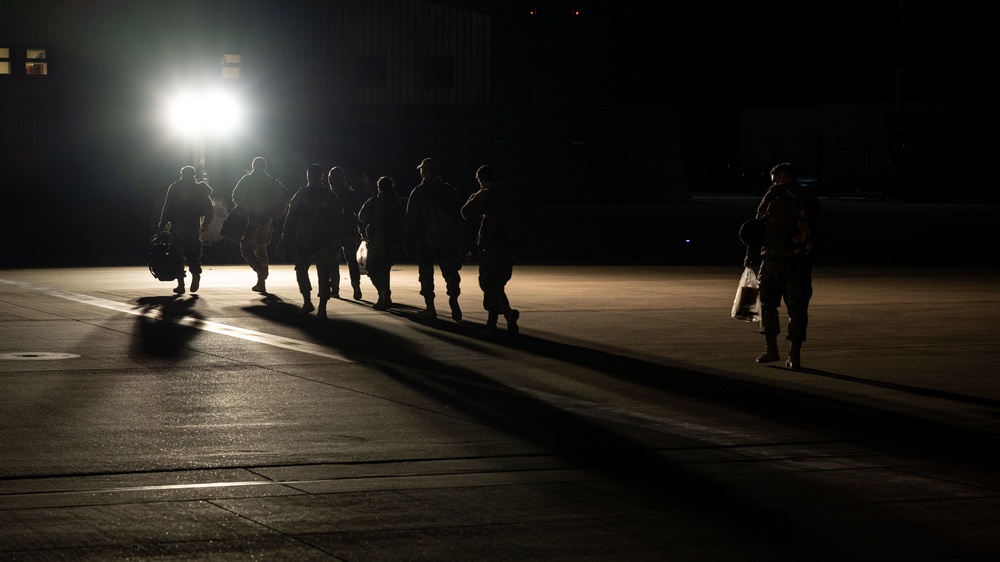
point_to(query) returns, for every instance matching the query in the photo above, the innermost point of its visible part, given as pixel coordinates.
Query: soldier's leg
(353, 269)
(772, 276)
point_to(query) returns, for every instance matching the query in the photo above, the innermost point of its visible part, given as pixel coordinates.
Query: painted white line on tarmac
(187, 321)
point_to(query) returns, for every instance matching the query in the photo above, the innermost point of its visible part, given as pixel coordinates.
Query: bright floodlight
(206, 113)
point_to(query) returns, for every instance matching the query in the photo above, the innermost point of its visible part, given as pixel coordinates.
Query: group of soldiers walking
(326, 219)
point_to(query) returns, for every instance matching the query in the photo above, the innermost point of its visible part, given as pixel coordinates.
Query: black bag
(235, 225)
(163, 264)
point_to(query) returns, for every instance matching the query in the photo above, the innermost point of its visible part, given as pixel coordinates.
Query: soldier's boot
(428, 313)
(195, 282)
(491, 324)
(321, 311)
(357, 291)
(456, 311)
(770, 354)
(795, 356)
(511, 318)
(260, 287)
(307, 304)
(383, 302)
(179, 289)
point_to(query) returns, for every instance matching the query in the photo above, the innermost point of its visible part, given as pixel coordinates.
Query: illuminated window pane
(4, 67)
(4, 53)
(231, 67)
(35, 64)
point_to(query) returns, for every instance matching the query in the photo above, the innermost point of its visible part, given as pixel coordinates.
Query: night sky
(709, 60)
(707, 53)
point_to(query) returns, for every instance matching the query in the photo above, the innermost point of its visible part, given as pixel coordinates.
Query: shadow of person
(765, 400)
(584, 441)
(167, 325)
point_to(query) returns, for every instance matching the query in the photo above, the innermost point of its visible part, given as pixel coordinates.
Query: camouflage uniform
(382, 220)
(495, 251)
(264, 199)
(187, 203)
(313, 223)
(350, 235)
(432, 239)
(791, 215)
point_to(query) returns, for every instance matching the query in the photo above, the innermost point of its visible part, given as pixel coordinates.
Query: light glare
(208, 113)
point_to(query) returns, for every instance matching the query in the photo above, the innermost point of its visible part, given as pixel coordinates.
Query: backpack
(513, 219)
(163, 264)
(441, 221)
(322, 217)
(787, 214)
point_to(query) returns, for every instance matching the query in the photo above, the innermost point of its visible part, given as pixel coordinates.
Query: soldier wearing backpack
(315, 219)
(432, 233)
(504, 222)
(791, 217)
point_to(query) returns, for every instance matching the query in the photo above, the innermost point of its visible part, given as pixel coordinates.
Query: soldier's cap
(428, 164)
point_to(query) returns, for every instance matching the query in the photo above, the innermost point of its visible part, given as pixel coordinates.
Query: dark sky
(709, 60)
(758, 54)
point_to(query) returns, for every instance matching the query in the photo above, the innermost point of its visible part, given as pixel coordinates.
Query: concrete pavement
(628, 422)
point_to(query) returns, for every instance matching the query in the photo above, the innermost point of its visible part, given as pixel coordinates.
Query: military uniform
(791, 217)
(188, 202)
(264, 199)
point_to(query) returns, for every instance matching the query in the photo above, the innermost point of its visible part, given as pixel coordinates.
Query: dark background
(700, 62)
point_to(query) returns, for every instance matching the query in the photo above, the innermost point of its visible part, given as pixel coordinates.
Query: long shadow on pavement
(770, 402)
(600, 447)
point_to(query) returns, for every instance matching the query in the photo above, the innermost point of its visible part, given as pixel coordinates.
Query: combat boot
(795, 356)
(511, 318)
(260, 287)
(195, 282)
(456, 311)
(307, 305)
(770, 350)
(428, 313)
(490, 328)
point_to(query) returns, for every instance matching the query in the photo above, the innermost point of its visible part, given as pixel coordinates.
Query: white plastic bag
(363, 256)
(746, 305)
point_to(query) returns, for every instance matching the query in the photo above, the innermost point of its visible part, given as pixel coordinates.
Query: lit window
(231, 67)
(4, 60)
(34, 64)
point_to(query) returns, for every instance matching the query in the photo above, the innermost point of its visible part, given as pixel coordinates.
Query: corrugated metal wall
(293, 49)
(406, 32)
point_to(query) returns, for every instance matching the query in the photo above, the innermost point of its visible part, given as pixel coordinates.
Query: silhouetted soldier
(504, 221)
(314, 221)
(350, 235)
(263, 199)
(381, 219)
(187, 211)
(432, 234)
(791, 215)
